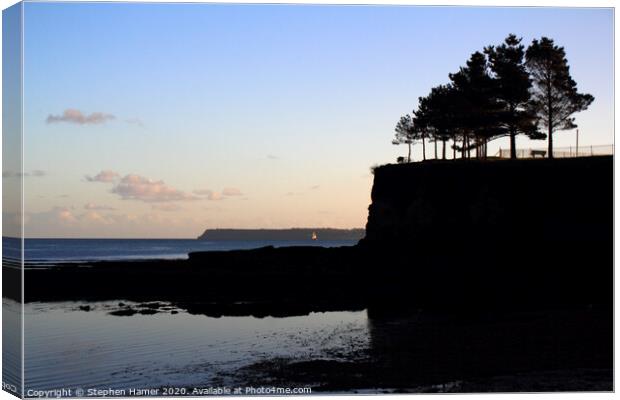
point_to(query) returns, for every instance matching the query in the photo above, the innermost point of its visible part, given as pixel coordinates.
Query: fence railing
(560, 152)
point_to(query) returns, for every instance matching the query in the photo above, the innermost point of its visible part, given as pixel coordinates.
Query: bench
(535, 153)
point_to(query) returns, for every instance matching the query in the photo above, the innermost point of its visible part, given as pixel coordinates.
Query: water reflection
(70, 345)
(11, 345)
(67, 347)
(474, 349)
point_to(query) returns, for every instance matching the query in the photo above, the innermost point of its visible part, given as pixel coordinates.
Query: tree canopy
(555, 97)
(501, 91)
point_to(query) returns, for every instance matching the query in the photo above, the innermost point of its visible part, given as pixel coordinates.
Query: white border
(479, 3)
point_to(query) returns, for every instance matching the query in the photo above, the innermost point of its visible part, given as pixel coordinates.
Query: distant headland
(283, 234)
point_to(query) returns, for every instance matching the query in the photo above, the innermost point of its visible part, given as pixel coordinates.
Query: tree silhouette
(512, 90)
(423, 129)
(422, 123)
(555, 98)
(503, 91)
(436, 114)
(405, 133)
(474, 103)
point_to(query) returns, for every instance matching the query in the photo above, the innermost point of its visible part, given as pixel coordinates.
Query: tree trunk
(513, 135)
(550, 149)
(550, 120)
(423, 149)
(409, 154)
(443, 150)
(436, 149)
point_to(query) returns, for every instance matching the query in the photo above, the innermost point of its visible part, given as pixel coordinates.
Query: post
(577, 144)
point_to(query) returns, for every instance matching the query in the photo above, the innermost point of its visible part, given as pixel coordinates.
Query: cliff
(493, 233)
(479, 202)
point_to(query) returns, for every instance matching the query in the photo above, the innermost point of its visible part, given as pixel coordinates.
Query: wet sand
(551, 350)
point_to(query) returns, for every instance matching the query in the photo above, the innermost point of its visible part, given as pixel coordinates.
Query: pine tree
(439, 115)
(555, 98)
(512, 90)
(474, 102)
(405, 133)
(424, 130)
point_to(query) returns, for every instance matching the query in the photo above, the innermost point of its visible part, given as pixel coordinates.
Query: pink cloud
(209, 194)
(103, 176)
(71, 115)
(65, 215)
(232, 192)
(91, 206)
(212, 195)
(136, 187)
(97, 218)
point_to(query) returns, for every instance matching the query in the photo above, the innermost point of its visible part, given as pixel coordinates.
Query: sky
(162, 120)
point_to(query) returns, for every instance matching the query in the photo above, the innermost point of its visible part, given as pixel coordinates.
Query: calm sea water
(66, 347)
(75, 250)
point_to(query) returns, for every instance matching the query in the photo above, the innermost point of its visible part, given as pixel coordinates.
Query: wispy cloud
(74, 116)
(136, 187)
(272, 157)
(213, 195)
(92, 206)
(209, 194)
(67, 217)
(103, 176)
(62, 215)
(230, 191)
(70, 222)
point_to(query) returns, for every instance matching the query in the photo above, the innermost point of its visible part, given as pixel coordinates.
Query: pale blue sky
(288, 104)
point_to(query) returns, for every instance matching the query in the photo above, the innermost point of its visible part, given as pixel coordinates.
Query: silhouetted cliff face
(522, 201)
(537, 232)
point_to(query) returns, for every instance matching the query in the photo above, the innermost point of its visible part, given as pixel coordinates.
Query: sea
(87, 351)
(53, 251)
